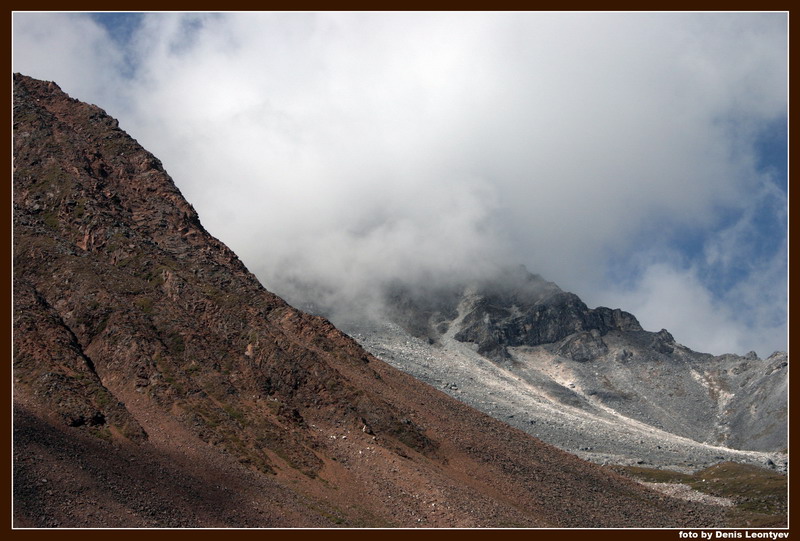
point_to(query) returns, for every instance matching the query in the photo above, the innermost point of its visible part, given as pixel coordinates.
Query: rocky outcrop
(583, 346)
(500, 318)
(663, 342)
(52, 369)
(507, 309)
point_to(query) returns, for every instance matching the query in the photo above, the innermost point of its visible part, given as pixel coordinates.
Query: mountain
(590, 381)
(156, 383)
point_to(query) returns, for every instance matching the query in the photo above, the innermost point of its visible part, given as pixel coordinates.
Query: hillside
(157, 383)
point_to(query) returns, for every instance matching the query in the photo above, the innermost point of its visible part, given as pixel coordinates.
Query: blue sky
(120, 25)
(637, 159)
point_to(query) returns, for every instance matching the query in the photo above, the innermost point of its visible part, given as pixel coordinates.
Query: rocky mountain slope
(157, 383)
(590, 381)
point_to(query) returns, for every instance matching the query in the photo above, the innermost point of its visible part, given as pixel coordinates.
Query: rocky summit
(156, 383)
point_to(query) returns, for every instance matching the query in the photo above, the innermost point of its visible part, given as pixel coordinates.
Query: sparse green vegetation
(102, 433)
(54, 178)
(132, 261)
(103, 323)
(208, 416)
(222, 298)
(760, 495)
(235, 414)
(145, 304)
(103, 398)
(175, 344)
(170, 379)
(192, 369)
(756, 490)
(80, 208)
(155, 277)
(51, 220)
(652, 475)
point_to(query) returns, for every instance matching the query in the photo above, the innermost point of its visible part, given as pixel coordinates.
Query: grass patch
(170, 379)
(155, 277)
(219, 297)
(235, 414)
(760, 495)
(175, 344)
(755, 489)
(103, 398)
(80, 208)
(101, 433)
(652, 475)
(145, 304)
(51, 220)
(101, 326)
(192, 369)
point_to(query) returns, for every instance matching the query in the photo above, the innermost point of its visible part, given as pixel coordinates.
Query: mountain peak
(512, 307)
(148, 359)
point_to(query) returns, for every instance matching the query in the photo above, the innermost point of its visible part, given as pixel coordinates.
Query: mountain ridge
(596, 362)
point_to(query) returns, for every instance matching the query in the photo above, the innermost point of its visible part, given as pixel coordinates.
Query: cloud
(348, 149)
(731, 296)
(71, 50)
(676, 299)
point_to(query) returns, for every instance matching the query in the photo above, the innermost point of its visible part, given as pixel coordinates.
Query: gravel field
(591, 431)
(684, 492)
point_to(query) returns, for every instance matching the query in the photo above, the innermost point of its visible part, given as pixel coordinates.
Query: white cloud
(354, 148)
(676, 299)
(70, 50)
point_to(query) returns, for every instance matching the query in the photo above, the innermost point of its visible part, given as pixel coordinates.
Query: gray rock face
(515, 309)
(726, 400)
(756, 413)
(584, 346)
(663, 342)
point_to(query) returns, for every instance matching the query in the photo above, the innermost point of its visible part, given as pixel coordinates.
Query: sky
(638, 160)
